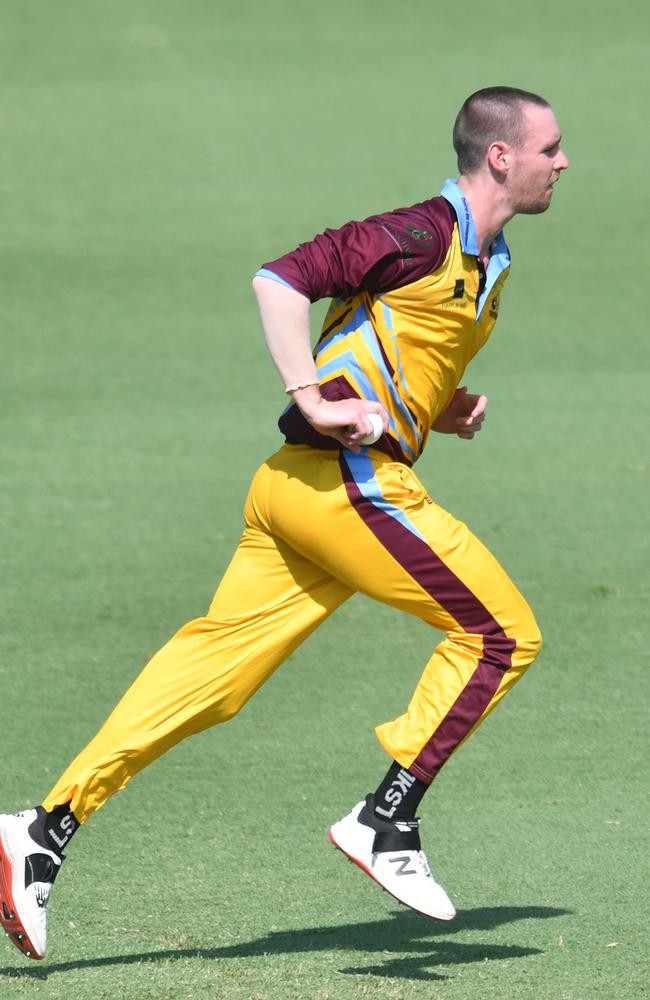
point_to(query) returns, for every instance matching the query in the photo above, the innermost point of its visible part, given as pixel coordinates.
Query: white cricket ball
(377, 429)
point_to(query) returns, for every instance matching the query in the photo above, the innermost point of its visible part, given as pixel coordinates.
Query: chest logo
(419, 234)
(459, 288)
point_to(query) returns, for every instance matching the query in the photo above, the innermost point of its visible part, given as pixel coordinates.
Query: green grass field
(153, 155)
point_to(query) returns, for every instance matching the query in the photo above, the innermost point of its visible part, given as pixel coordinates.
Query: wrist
(307, 398)
(290, 389)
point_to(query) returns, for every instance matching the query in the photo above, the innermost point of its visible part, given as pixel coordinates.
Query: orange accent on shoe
(9, 919)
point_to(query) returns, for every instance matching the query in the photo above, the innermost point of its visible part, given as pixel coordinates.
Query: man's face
(537, 162)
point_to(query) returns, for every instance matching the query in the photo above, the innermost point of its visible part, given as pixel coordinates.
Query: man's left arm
(463, 416)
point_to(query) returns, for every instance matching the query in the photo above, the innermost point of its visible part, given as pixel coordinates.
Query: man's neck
(488, 206)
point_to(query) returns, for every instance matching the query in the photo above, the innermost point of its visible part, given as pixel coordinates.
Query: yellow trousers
(319, 526)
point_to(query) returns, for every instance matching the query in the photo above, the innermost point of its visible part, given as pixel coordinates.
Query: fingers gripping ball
(377, 429)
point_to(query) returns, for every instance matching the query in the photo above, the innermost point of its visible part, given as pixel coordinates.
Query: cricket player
(338, 509)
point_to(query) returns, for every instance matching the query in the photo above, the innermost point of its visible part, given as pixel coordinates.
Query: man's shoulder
(434, 211)
(430, 221)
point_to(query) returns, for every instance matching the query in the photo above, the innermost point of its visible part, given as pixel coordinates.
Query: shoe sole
(9, 918)
(363, 868)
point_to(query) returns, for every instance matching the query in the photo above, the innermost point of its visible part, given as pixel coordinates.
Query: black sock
(399, 794)
(55, 829)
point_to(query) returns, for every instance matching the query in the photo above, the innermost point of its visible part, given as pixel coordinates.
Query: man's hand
(345, 420)
(464, 416)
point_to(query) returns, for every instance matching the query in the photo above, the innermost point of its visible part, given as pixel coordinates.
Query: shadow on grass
(418, 945)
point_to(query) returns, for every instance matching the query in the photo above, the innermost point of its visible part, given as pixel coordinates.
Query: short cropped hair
(490, 115)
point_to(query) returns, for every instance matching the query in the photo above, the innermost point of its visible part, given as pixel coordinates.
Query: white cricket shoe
(27, 871)
(390, 853)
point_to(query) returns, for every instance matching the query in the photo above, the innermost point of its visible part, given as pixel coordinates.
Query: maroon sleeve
(383, 252)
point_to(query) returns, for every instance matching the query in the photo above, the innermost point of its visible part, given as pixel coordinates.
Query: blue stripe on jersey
(348, 362)
(360, 321)
(388, 320)
(265, 273)
(400, 370)
(359, 316)
(368, 335)
(388, 316)
(363, 474)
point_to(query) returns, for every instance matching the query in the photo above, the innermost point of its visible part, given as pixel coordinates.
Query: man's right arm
(383, 252)
(285, 319)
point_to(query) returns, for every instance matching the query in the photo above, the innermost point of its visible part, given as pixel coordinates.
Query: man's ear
(498, 157)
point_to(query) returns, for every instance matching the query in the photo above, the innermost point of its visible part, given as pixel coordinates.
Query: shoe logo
(403, 861)
(42, 896)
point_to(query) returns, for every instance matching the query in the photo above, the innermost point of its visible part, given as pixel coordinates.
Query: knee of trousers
(229, 708)
(528, 639)
(514, 646)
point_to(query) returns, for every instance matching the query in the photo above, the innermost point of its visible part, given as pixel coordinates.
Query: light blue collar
(452, 192)
(499, 254)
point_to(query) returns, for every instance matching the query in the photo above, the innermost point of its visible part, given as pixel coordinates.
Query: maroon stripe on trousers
(437, 580)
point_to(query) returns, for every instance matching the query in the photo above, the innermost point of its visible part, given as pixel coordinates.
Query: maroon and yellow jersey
(412, 305)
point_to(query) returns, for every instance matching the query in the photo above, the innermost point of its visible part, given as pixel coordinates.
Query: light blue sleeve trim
(264, 272)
